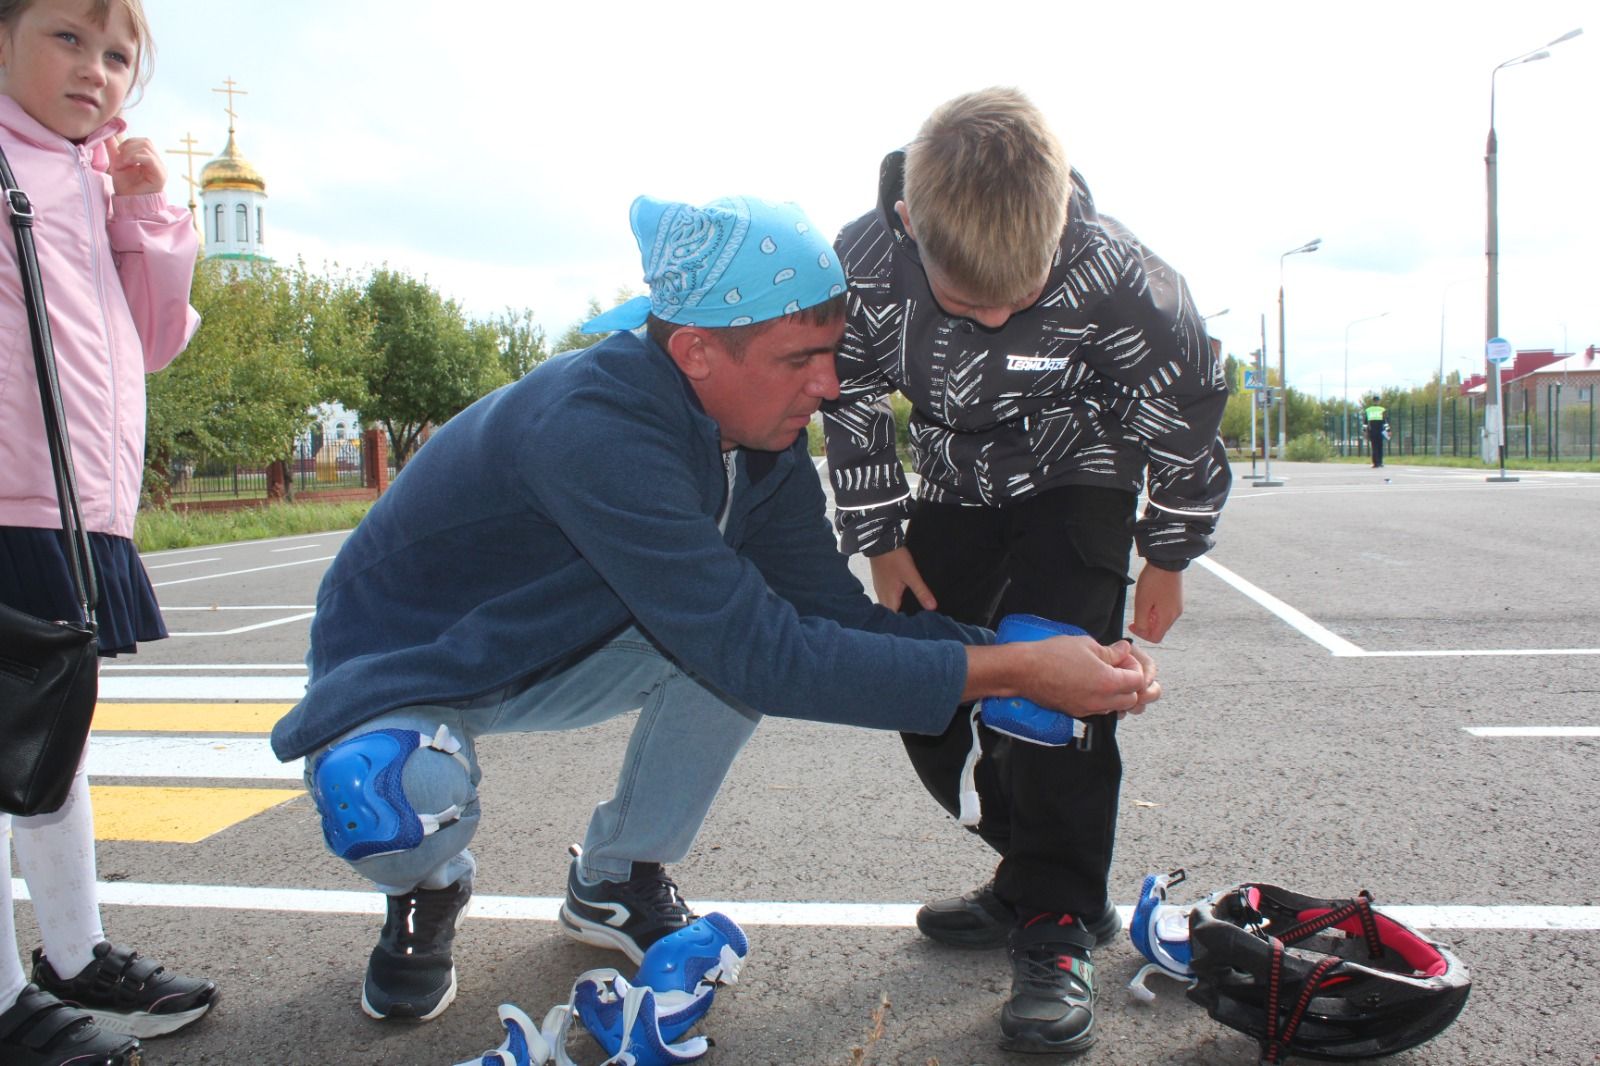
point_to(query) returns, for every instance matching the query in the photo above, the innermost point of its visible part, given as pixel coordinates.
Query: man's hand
(1075, 675)
(893, 573)
(1157, 602)
(136, 167)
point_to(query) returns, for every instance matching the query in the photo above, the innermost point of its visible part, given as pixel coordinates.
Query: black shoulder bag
(49, 670)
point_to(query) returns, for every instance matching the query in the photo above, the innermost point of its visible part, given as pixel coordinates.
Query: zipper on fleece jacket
(82, 155)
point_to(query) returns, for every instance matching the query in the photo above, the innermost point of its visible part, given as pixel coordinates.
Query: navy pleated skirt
(35, 577)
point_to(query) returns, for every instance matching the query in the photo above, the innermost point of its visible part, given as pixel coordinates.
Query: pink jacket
(117, 271)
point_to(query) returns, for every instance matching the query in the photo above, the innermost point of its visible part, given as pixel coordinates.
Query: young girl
(116, 261)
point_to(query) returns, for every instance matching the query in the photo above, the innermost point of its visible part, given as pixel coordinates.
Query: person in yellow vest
(1377, 419)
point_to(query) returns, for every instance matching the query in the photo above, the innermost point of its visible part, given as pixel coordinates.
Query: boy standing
(1056, 367)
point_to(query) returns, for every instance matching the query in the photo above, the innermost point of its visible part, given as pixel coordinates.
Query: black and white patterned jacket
(1109, 379)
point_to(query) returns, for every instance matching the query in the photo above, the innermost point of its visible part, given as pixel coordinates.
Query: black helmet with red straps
(1320, 978)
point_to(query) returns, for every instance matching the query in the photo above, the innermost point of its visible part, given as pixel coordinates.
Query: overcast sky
(494, 147)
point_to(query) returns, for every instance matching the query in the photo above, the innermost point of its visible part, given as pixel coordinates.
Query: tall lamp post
(1283, 380)
(1344, 442)
(1494, 418)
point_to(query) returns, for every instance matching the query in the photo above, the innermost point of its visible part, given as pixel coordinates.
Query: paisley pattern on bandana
(733, 261)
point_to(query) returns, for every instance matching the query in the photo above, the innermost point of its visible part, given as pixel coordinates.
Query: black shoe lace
(1049, 974)
(653, 891)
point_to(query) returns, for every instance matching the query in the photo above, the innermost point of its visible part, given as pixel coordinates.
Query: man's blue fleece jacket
(558, 510)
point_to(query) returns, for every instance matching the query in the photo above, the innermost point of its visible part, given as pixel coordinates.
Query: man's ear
(905, 217)
(690, 348)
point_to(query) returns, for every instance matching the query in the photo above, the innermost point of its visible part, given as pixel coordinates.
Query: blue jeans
(686, 738)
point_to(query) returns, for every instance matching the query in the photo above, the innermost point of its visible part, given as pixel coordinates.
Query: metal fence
(1536, 428)
(334, 464)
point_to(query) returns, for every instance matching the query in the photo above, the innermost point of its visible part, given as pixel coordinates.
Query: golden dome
(230, 171)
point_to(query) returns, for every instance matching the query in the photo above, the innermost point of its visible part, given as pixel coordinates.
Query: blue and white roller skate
(641, 1023)
(1160, 930)
(524, 1044)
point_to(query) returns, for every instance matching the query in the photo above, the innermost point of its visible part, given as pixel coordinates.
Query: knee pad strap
(359, 793)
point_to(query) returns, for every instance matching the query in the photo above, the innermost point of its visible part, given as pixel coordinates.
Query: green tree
(242, 389)
(427, 362)
(519, 342)
(334, 328)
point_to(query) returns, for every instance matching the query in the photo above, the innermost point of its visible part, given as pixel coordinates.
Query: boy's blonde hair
(986, 187)
(100, 11)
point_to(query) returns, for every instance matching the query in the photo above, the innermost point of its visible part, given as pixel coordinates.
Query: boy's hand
(136, 167)
(893, 573)
(1157, 602)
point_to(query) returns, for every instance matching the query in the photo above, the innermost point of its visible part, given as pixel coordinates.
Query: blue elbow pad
(358, 790)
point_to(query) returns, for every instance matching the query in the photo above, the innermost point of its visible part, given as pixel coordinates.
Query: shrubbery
(1309, 448)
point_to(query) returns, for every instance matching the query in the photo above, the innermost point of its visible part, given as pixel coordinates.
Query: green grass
(158, 528)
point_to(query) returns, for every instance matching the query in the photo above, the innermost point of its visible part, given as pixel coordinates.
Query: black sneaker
(128, 993)
(1051, 1009)
(978, 919)
(411, 973)
(981, 919)
(40, 1030)
(627, 916)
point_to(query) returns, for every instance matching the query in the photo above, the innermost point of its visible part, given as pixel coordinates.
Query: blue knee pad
(358, 790)
(1022, 718)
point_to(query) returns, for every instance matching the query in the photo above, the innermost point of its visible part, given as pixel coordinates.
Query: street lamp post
(1344, 442)
(1283, 379)
(1494, 419)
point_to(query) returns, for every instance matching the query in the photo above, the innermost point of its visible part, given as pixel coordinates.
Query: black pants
(1051, 813)
(1375, 438)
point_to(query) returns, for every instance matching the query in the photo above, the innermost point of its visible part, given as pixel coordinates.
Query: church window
(217, 234)
(261, 234)
(242, 224)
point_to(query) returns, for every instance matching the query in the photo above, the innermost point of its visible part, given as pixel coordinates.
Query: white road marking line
(184, 562)
(204, 688)
(245, 629)
(252, 607)
(1534, 730)
(1335, 644)
(241, 544)
(236, 573)
(296, 548)
(745, 912)
(152, 667)
(177, 757)
(1478, 652)
(1344, 649)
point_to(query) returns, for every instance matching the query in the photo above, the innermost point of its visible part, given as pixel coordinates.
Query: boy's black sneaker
(128, 993)
(1051, 1009)
(627, 916)
(981, 919)
(40, 1030)
(411, 973)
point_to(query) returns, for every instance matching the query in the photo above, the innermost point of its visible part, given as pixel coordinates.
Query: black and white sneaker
(128, 993)
(411, 973)
(626, 916)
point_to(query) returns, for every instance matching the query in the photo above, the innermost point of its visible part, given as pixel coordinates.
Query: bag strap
(20, 209)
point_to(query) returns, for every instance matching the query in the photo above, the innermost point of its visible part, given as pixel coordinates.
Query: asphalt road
(1349, 629)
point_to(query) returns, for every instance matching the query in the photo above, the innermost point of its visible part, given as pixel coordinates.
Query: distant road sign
(1499, 350)
(1252, 380)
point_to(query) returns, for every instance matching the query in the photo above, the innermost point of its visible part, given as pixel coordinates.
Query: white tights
(56, 855)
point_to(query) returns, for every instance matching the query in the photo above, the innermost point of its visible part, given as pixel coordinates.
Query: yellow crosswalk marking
(177, 815)
(189, 717)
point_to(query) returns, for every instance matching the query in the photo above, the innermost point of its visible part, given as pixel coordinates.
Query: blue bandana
(733, 262)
